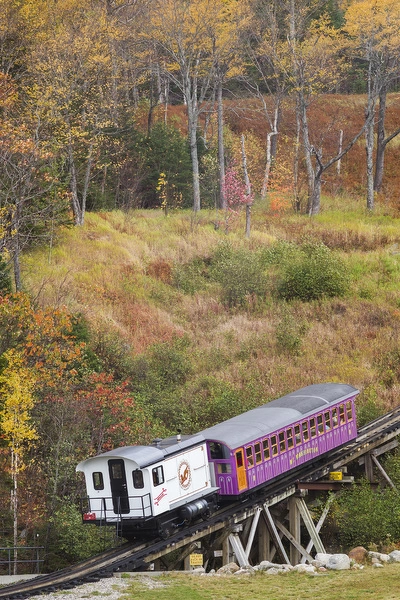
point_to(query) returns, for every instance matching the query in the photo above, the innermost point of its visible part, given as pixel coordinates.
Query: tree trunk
(380, 144)
(248, 188)
(14, 504)
(221, 148)
(369, 148)
(192, 128)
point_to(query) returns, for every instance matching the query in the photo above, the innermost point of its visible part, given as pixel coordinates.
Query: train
(151, 491)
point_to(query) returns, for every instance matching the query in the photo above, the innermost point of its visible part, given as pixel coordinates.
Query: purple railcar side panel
(320, 433)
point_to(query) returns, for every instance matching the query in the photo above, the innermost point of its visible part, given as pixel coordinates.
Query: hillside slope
(141, 280)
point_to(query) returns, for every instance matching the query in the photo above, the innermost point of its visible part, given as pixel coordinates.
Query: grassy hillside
(160, 316)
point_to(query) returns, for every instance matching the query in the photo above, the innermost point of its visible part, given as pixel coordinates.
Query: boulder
(379, 556)
(394, 556)
(338, 562)
(304, 568)
(322, 558)
(228, 569)
(358, 554)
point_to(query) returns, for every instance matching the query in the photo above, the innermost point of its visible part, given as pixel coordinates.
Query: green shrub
(368, 406)
(190, 277)
(241, 275)
(289, 334)
(315, 273)
(367, 516)
(70, 541)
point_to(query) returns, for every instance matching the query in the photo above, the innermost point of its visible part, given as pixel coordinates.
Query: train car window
(342, 418)
(137, 476)
(349, 411)
(282, 441)
(249, 456)
(257, 450)
(289, 437)
(335, 420)
(320, 423)
(313, 428)
(239, 459)
(224, 468)
(266, 451)
(306, 435)
(98, 482)
(216, 450)
(158, 475)
(297, 434)
(274, 445)
(327, 421)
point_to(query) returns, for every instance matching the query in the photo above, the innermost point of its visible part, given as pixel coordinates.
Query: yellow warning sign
(196, 560)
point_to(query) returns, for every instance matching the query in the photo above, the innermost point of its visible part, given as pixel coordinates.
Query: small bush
(289, 334)
(368, 406)
(190, 277)
(367, 516)
(241, 275)
(316, 273)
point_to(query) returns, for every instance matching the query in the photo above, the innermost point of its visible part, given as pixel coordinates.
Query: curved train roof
(241, 429)
(265, 419)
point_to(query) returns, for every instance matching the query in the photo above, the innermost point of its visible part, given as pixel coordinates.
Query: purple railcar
(251, 449)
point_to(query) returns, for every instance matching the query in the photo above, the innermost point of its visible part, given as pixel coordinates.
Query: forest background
(199, 207)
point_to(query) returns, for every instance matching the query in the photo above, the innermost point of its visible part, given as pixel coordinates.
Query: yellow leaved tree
(195, 41)
(374, 29)
(16, 387)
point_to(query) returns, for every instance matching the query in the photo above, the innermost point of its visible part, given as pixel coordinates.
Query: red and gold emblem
(184, 475)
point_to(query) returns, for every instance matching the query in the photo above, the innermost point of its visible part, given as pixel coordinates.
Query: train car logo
(184, 475)
(160, 496)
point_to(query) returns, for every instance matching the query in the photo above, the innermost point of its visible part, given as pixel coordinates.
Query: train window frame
(342, 415)
(282, 441)
(289, 438)
(313, 428)
(157, 475)
(349, 411)
(98, 480)
(328, 420)
(297, 434)
(249, 456)
(138, 480)
(305, 430)
(257, 453)
(239, 459)
(216, 451)
(266, 449)
(320, 424)
(224, 468)
(274, 445)
(335, 417)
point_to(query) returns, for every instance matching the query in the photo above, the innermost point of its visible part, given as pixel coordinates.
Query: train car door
(240, 470)
(119, 488)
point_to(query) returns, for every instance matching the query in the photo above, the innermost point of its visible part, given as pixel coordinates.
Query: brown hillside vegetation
(141, 278)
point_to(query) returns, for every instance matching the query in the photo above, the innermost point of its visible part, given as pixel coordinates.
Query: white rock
(394, 556)
(304, 568)
(273, 571)
(338, 562)
(322, 558)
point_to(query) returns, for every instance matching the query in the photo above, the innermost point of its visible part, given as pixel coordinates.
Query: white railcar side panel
(186, 475)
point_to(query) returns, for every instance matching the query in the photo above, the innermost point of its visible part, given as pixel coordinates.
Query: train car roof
(144, 456)
(278, 413)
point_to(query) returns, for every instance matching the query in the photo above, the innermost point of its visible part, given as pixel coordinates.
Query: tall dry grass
(117, 270)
